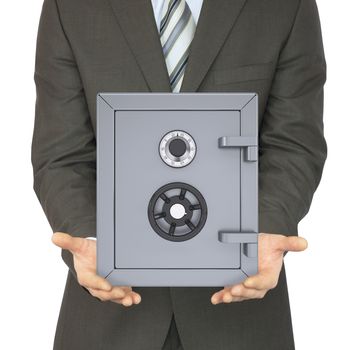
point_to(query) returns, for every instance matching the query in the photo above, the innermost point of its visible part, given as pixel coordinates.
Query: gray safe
(177, 188)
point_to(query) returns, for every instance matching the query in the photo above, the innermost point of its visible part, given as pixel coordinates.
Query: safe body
(177, 188)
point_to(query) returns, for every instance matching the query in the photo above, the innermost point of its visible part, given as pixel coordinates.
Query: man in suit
(272, 47)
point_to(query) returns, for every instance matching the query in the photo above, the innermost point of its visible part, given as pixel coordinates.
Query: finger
(132, 296)
(127, 300)
(115, 293)
(217, 297)
(261, 281)
(249, 293)
(90, 280)
(238, 299)
(94, 293)
(66, 241)
(126, 290)
(227, 297)
(294, 244)
(136, 297)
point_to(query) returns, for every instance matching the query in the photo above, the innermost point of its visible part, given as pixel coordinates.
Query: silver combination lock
(177, 148)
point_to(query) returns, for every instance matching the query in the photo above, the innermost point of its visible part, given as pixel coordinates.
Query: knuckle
(118, 294)
(82, 246)
(239, 290)
(274, 284)
(98, 296)
(92, 292)
(81, 280)
(263, 294)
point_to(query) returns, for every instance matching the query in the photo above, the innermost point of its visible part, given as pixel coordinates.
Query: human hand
(270, 258)
(84, 255)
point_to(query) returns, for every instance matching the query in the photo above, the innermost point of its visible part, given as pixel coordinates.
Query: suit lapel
(136, 20)
(216, 19)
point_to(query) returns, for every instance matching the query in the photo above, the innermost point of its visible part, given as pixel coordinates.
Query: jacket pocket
(244, 73)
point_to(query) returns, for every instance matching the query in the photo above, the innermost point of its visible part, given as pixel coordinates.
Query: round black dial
(177, 147)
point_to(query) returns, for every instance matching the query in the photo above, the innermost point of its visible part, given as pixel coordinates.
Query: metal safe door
(177, 188)
(140, 172)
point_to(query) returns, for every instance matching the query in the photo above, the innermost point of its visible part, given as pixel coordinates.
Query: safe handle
(248, 142)
(248, 239)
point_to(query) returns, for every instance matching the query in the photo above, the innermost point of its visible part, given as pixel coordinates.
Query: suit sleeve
(292, 147)
(63, 150)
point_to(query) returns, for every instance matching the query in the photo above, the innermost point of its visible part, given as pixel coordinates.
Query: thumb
(66, 241)
(295, 244)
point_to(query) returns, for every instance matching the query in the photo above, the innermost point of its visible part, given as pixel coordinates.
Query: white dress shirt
(194, 5)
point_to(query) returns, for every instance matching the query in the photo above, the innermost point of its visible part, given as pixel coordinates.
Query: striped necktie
(177, 29)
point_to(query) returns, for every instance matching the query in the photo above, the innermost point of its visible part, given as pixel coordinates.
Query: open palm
(271, 248)
(84, 255)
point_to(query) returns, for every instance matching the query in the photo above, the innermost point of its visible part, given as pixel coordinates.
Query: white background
(32, 272)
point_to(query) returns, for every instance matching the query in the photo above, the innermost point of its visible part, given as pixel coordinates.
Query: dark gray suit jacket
(272, 47)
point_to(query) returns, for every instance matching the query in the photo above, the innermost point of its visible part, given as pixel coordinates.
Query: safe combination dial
(177, 148)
